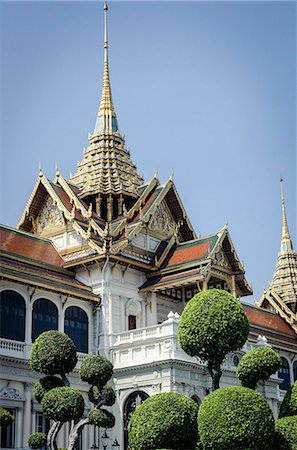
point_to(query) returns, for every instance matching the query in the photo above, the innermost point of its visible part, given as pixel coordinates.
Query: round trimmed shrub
(37, 440)
(5, 418)
(44, 385)
(96, 394)
(258, 364)
(96, 370)
(53, 352)
(63, 404)
(101, 418)
(167, 420)
(286, 432)
(212, 324)
(289, 403)
(235, 418)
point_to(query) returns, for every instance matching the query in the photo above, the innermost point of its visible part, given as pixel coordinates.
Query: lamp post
(104, 438)
(115, 444)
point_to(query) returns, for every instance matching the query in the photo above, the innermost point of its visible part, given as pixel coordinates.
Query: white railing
(12, 346)
(159, 343)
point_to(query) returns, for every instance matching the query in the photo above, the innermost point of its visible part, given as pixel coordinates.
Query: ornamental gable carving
(10, 393)
(162, 223)
(49, 217)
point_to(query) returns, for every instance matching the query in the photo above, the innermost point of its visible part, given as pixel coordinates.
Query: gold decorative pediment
(49, 218)
(162, 223)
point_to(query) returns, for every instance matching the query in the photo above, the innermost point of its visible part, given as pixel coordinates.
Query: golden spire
(106, 118)
(285, 276)
(285, 228)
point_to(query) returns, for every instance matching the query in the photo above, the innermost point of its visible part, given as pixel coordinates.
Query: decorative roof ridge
(197, 240)
(87, 214)
(28, 204)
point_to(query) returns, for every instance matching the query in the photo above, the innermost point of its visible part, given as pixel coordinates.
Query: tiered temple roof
(281, 295)
(106, 169)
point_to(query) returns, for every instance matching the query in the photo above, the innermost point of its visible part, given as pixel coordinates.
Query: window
(284, 373)
(13, 315)
(45, 317)
(76, 326)
(7, 436)
(295, 370)
(135, 399)
(235, 360)
(131, 322)
(42, 424)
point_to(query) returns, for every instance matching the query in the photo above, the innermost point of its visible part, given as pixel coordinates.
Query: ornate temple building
(112, 260)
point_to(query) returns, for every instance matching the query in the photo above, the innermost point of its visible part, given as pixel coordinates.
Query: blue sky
(202, 89)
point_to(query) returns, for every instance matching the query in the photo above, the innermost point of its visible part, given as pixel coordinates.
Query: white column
(122, 312)
(19, 428)
(27, 415)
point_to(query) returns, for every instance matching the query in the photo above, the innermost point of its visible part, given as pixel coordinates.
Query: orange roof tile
(268, 319)
(24, 244)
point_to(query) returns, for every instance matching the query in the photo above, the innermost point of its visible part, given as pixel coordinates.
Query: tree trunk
(215, 373)
(75, 433)
(51, 436)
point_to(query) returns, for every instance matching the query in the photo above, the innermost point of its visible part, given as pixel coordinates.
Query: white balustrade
(9, 347)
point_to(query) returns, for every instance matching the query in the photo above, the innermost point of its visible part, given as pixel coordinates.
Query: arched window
(295, 370)
(76, 326)
(45, 317)
(196, 399)
(135, 399)
(13, 315)
(284, 373)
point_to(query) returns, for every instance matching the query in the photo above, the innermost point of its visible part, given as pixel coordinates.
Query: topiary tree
(164, 421)
(235, 418)
(5, 418)
(212, 324)
(37, 440)
(286, 433)
(54, 354)
(258, 365)
(289, 403)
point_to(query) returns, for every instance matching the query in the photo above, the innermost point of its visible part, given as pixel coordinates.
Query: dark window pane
(284, 373)
(295, 370)
(131, 322)
(7, 435)
(45, 317)
(76, 326)
(13, 312)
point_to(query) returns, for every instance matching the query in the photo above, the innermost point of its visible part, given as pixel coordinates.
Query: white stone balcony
(160, 343)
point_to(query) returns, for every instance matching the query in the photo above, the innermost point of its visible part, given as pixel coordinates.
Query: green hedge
(44, 385)
(37, 440)
(286, 432)
(53, 352)
(235, 418)
(5, 418)
(212, 324)
(258, 364)
(289, 403)
(63, 404)
(96, 370)
(101, 418)
(167, 420)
